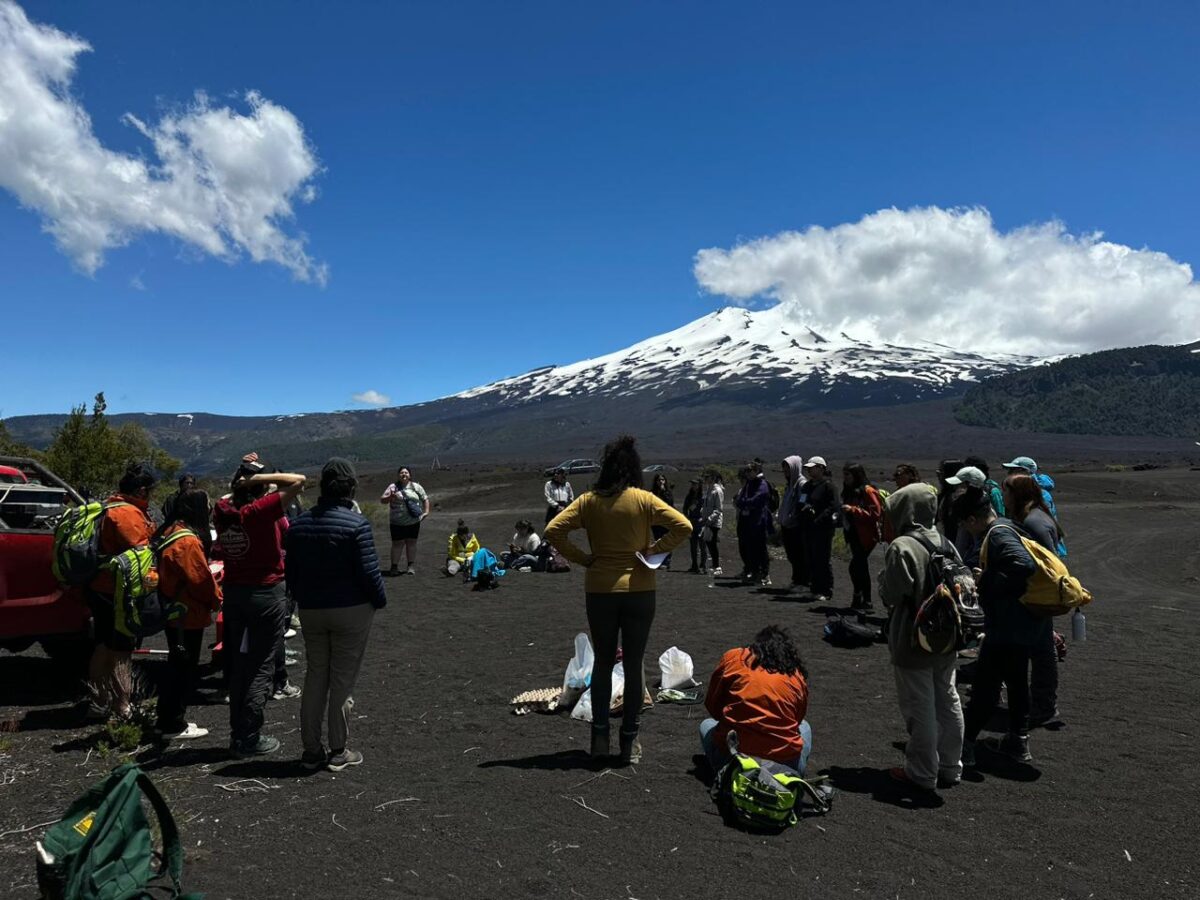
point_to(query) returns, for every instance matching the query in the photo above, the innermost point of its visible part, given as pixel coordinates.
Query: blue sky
(503, 186)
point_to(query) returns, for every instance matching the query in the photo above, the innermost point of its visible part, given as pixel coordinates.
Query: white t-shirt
(397, 497)
(529, 545)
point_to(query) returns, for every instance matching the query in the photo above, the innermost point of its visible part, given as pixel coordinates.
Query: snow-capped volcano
(758, 356)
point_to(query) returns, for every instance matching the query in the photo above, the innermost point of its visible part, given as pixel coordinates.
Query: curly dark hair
(620, 469)
(773, 649)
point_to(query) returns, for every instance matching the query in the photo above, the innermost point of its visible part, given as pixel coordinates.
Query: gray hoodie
(789, 509)
(902, 586)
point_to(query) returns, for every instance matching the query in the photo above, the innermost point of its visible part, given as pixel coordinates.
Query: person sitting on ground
(693, 509)
(256, 608)
(617, 515)
(559, 493)
(125, 524)
(460, 548)
(523, 548)
(1023, 465)
(334, 573)
(1027, 503)
(924, 682)
(760, 692)
(862, 510)
(1012, 630)
(184, 578)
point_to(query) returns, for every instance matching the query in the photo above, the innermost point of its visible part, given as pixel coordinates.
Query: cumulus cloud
(372, 398)
(949, 275)
(222, 180)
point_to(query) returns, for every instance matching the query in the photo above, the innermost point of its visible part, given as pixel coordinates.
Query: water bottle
(1078, 625)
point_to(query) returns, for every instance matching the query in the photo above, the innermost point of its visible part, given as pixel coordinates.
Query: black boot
(601, 748)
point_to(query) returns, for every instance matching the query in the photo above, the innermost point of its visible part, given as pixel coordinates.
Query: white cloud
(949, 275)
(372, 398)
(136, 283)
(224, 181)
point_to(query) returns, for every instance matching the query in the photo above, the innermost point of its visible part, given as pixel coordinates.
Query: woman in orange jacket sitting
(185, 579)
(760, 692)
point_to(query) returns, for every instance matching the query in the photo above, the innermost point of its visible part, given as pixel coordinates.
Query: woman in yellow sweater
(617, 515)
(460, 548)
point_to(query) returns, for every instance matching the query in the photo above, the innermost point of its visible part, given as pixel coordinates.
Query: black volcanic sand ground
(485, 804)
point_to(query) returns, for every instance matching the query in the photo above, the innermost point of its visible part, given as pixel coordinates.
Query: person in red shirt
(185, 578)
(761, 692)
(255, 608)
(124, 525)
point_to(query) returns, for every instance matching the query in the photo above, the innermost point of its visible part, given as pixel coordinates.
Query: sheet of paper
(654, 560)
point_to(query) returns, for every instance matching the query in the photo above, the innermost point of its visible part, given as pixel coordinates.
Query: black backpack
(851, 631)
(950, 617)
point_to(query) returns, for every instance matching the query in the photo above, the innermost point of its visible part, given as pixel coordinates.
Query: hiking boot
(601, 744)
(343, 759)
(717, 572)
(295, 621)
(189, 732)
(261, 746)
(766, 582)
(631, 749)
(310, 762)
(1039, 719)
(1013, 746)
(947, 781)
(288, 692)
(968, 755)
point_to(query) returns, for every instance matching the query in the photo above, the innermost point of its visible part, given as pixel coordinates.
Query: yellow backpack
(1052, 589)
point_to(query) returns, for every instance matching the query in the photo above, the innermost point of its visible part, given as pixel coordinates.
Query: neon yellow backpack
(139, 609)
(1052, 589)
(763, 795)
(77, 557)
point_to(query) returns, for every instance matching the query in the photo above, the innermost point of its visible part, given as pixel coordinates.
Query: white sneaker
(718, 571)
(289, 634)
(190, 733)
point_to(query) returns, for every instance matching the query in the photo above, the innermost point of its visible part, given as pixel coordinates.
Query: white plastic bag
(579, 669)
(676, 668)
(583, 709)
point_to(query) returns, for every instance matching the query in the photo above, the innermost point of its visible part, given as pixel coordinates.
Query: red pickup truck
(33, 606)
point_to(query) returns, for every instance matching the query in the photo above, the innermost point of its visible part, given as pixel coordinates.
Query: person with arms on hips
(925, 684)
(559, 493)
(334, 573)
(1012, 631)
(761, 693)
(184, 579)
(407, 505)
(618, 515)
(125, 524)
(255, 609)
(461, 547)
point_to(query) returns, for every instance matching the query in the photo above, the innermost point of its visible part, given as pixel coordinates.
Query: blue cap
(1022, 462)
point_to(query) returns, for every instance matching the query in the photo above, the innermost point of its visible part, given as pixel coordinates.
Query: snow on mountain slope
(746, 351)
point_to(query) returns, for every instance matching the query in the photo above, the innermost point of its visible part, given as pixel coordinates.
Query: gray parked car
(574, 467)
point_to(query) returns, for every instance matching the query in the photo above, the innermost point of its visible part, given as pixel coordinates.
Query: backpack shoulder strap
(172, 865)
(172, 538)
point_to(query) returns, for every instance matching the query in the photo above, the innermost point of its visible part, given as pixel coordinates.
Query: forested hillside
(1135, 391)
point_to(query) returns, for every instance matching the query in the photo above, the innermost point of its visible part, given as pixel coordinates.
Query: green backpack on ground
(77, 556)
(102, 848)
(763, 795)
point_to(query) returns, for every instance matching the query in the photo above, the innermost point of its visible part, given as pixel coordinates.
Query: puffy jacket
(1003, 584)
(458, 550)
(713, 514)
(818, 503)
(753, 504)
(331, 560)
(1046, 483)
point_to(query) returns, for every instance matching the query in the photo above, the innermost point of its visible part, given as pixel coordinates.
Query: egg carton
(542, 700)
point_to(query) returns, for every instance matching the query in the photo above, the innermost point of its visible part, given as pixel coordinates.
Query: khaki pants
(334, 642)
(933, 714)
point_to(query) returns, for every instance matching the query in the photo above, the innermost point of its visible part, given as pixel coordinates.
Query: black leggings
(860, 569)
(714, 547)
(818, 551)
(998, 664)
(179, 677)
(626, 616)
